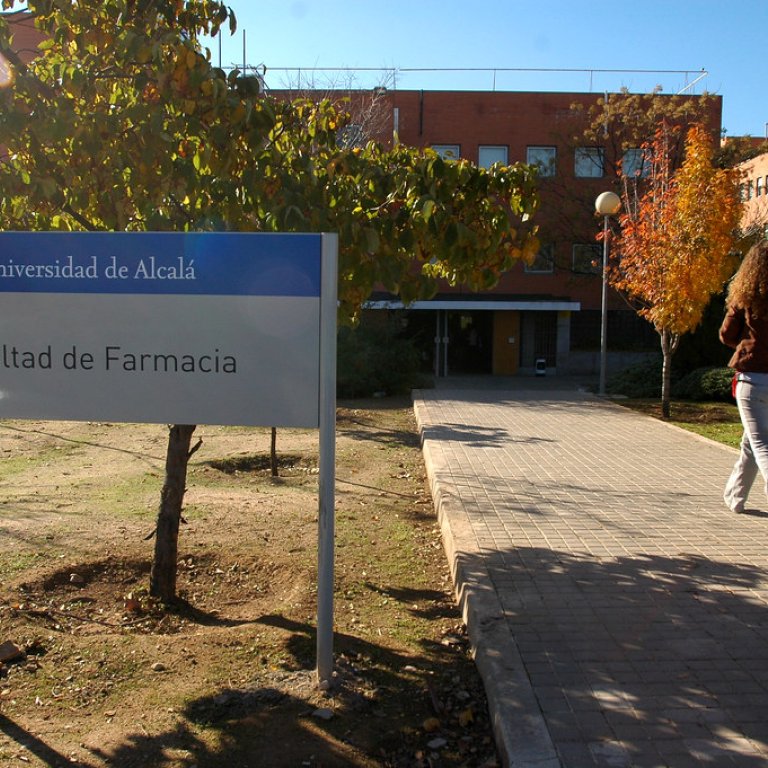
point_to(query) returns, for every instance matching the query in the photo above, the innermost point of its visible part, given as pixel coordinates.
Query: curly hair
(748, 288)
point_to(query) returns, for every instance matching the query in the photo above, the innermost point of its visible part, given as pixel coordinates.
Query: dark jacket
(748, 335)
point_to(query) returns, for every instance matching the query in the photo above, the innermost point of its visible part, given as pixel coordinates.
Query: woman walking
(745, 329)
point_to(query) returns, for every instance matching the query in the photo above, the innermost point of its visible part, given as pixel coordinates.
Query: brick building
(25, 36)
(549, 310)
(754, 194)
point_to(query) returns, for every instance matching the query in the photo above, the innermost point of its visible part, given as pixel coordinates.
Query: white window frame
(744, 191)
(589, 163)
(543, 262)
(759, 188)
(548, 167)
(448, 151)
(501, 149)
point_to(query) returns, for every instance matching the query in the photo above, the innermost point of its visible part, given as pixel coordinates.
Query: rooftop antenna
(701, 76)
(243, 51)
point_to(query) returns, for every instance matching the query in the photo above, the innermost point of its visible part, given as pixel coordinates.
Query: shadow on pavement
(641, 660)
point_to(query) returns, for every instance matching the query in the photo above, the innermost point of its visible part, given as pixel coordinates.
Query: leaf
(49, 187)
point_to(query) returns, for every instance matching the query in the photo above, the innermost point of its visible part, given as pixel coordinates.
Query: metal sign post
(326, 513)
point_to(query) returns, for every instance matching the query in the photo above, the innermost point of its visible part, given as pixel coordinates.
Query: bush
(641, 380)
(644, 381)
(372, 359)
(705, 384)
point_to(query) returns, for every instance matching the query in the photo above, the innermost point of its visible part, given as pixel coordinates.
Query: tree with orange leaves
(678, 231)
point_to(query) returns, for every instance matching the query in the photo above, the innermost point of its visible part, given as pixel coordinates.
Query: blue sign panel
(199, 263)
(184, 328)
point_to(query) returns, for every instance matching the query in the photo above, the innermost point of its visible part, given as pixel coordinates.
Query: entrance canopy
(486, 334)
(532, 305)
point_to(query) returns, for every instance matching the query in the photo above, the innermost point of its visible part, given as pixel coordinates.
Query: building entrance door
(538, 337)
(470, 341)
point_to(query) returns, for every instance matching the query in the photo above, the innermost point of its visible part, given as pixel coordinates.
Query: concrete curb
(522, 737)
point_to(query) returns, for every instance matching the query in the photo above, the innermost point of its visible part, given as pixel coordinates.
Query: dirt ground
(97, 674)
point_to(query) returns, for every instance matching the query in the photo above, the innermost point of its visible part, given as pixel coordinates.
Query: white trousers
(752, 401)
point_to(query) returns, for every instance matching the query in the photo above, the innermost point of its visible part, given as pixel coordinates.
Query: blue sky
(728, 40)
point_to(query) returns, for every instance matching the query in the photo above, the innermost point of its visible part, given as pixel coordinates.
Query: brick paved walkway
(619, 611)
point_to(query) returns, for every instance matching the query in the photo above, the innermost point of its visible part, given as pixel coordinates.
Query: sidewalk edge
(522, 737)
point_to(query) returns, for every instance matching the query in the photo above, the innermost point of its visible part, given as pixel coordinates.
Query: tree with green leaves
(121, 123)
(678, 232)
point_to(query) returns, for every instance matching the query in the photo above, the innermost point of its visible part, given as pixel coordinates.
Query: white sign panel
(185, 328)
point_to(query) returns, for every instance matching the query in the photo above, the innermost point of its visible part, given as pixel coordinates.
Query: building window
(750, 190)
(491, 155)
(587, 259)
(759, 188)
(448, 151)
(543, 157)
(634, 163)
(544, 261)
(744, 191)
(588, 162)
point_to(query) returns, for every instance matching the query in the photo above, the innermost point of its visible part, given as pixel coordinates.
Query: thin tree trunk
(273, 452)
(666, 377)
(163, 576)
(669, 343)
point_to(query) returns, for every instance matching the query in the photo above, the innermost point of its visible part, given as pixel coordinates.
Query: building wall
(25, 37)
(517, 122)
(755, 193)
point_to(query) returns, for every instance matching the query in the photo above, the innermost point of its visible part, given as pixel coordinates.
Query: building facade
(544, 314)
(754, 194)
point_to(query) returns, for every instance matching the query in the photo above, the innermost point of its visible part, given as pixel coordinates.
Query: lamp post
(607, 204)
